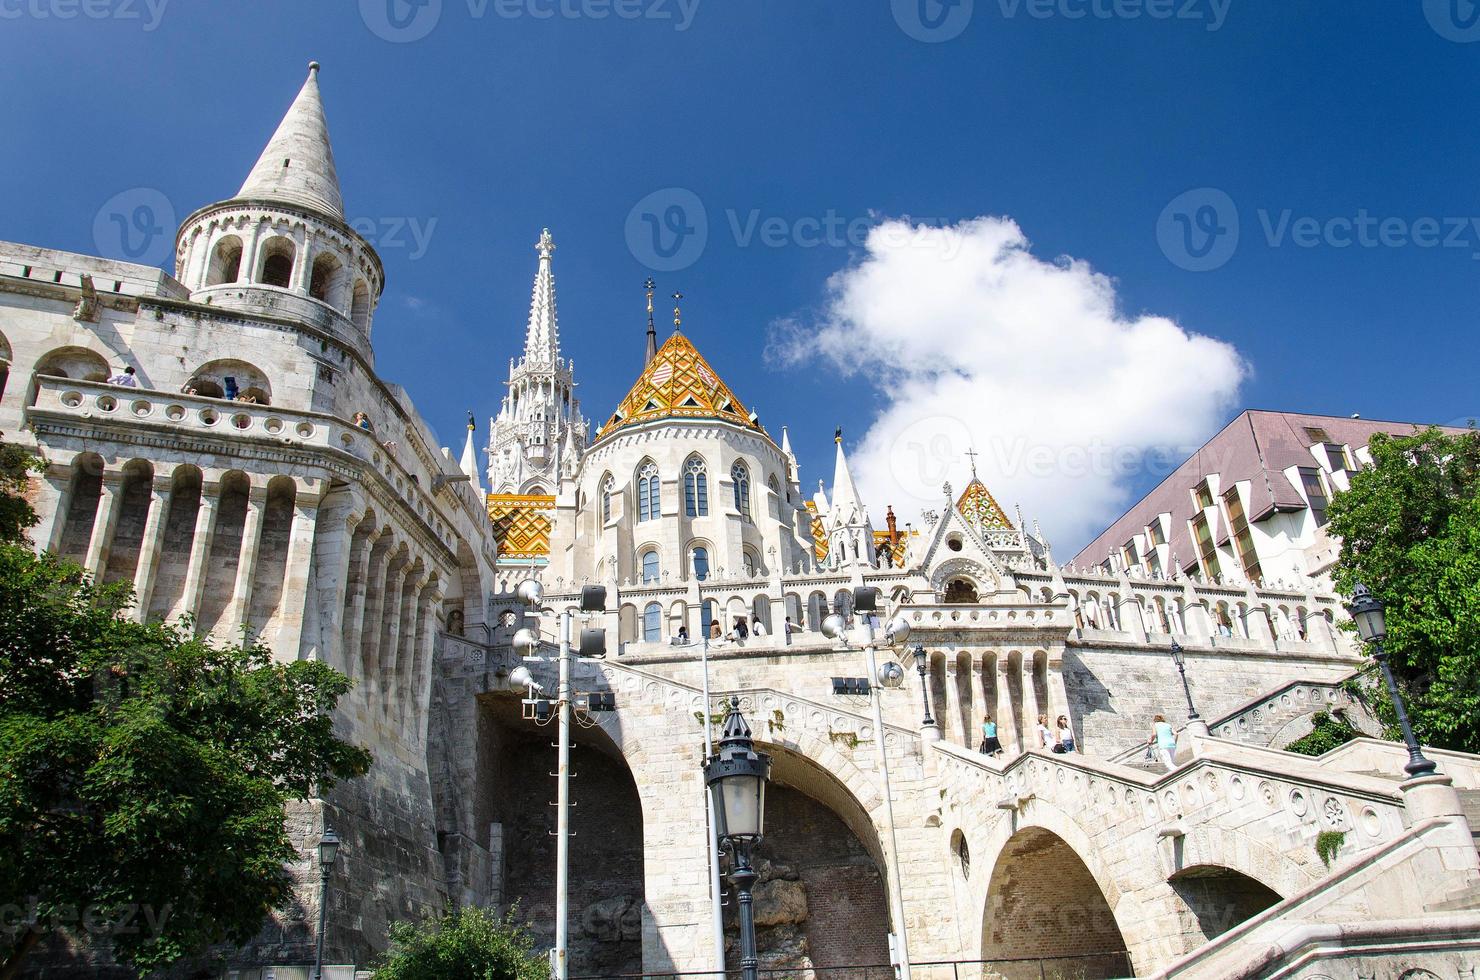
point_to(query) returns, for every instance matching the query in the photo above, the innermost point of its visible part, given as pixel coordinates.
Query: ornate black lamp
(328, 854)
(737, 775)
(1367, 612)
(922, 664)
(1180, 659)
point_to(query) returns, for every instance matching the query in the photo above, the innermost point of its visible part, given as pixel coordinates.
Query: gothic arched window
(747, 561)
(648, 495)
(608, 487)
(652, 623)
(649, 566)
(701, 563)
(696, 488)
(740, 476)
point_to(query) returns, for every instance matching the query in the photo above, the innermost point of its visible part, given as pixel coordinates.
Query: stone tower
(282, 245)
(538, 435)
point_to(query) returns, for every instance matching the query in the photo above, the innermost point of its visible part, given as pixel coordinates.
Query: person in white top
(756, 629)
(126, 379)
(1046, 738)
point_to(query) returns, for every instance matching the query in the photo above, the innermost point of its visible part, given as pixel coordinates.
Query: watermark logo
(401, 21)
(1198, 230)
(148, 12)
(411, 235)
(1212, 14)
(136, 225)
(933, 21)
(925, 452)
(668, 230)
(1454, 20)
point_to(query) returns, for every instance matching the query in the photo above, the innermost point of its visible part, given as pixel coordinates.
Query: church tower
(539, 434)
(845, 523)
(282, 245)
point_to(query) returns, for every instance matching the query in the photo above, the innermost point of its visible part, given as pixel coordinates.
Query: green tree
(1327, 732)
(16, 515)
(144, 772)
(1410, 527)
(468, 944)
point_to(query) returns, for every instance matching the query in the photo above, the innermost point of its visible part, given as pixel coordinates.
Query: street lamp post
(737, 775)
(1180, 659)
(922, 663)
(328, 854)
(1367, 611)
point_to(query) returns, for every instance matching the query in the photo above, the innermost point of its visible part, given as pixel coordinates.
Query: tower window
(649, 494)
(607, 487)
(652, 623)
(696, 488)
(650, 569)
(701, 563)
(740, 476)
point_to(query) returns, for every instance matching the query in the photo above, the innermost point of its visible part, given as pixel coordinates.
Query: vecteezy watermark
(932, 21)
(669, 229)
(1454, 20)
(393, 234)
(1199, 230)
(1212, 14)
(148, 12)
(136, 225)
(123, 919)
(404, 21)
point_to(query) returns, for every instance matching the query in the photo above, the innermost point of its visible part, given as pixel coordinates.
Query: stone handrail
(1378, 755)
(144, 408)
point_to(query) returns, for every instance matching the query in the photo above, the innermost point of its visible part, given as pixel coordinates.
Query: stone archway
(1219, 898)
(1045, 914)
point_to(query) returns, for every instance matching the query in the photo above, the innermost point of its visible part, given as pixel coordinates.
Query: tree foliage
(1410, 527)
(467, 944)
(144, 772)
(16, 515)
(1327, 732)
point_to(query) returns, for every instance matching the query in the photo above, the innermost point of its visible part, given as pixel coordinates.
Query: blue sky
(1083, 121)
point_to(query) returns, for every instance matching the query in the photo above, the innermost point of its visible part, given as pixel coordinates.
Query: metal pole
(712, 845)
(924, 690)
(744, 878)
(1417, 765)
(1192, 714)
(562, 805)
(897, 889)
(318, 958)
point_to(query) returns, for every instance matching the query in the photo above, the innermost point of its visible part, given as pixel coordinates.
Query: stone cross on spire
(542, 340)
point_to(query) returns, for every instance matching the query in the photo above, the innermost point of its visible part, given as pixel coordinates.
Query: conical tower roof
(542, 336)
(297, 167)
(679, 383)
(981, 509)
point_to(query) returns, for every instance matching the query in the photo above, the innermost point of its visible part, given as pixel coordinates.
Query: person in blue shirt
(1164, 740)
(991, 745)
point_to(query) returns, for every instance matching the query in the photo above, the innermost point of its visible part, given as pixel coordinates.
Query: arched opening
(1043, 902)
(511, 809)
(652, 623)
(179, 534)
(960, 591)
(82, 506)
(359, 307)
(324, 281)
(272, 557)
(232, 379)
(1219, 898)
(134, 496)
(964, 704)
(277, 262)
(821, 902)
(74, 363)
(627, 623)
(226, 552)
(226, 261)
(650, 567)
(816, 611)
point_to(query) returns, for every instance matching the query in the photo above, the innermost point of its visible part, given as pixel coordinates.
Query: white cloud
(974, 341)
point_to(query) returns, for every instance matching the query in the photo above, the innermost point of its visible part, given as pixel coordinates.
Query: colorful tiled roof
(981, 509)
(678, 383)
(819, 536)
(521, 524)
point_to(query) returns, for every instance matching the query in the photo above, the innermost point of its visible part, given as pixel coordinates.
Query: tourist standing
(1066, 733)
(991, 744)
(1164, 740)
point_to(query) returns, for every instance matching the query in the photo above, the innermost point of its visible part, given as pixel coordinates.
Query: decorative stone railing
(144, 409)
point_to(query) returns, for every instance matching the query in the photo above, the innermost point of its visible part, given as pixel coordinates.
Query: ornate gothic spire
(297, 167)
(652, 331)
(542, 340)
(469, 462)
(846, 504)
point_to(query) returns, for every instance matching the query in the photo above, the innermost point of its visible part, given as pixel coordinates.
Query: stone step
(1460, 902)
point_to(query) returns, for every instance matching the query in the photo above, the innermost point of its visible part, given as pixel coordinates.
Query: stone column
(248, 272)
(354, 608)
(1030, 703)
(404, 637)
(1130, 615)
(421, 669)
(104, 524)
(374, 603)
(152, 546)
(1058, 694)
(296, 585)
(53, 500)
(240, 606)
(303, 262)
(200, 546)
(1005, 730)
(383, 663)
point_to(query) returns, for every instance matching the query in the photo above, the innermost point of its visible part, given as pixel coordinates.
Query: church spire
(844, 491)
(542, 340)
(297, 166)
(652, 331)
(469, 462)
